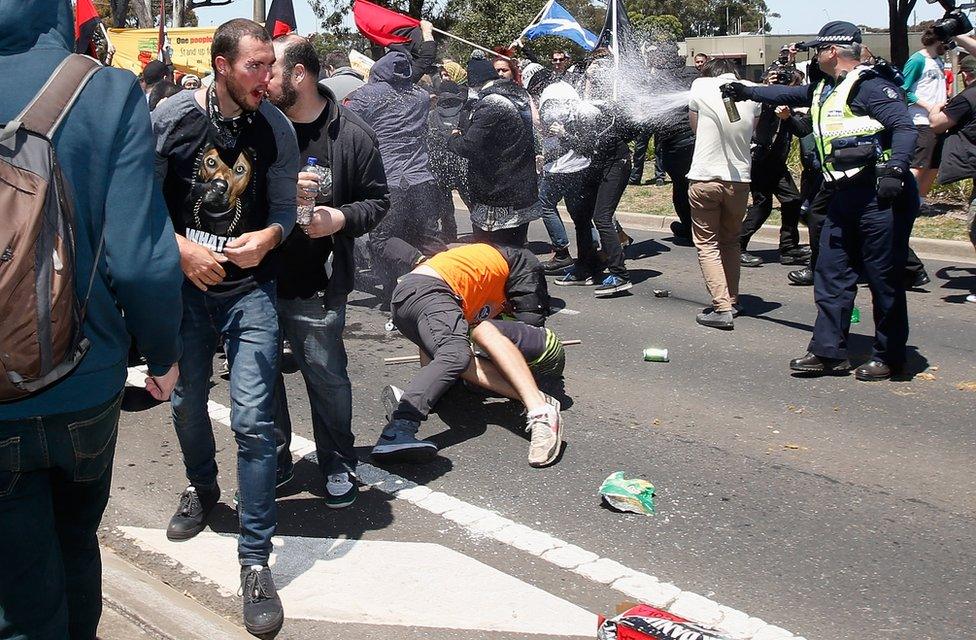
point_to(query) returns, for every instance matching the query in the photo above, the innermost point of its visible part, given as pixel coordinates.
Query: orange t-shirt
(477, 273)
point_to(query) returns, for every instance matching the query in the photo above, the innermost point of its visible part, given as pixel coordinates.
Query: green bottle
(855, 316)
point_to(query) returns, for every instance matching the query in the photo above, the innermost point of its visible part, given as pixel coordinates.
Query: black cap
(837, 32)
(154, 72)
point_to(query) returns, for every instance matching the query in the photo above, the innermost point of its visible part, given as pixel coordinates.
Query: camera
(953, 23)
(784, 69)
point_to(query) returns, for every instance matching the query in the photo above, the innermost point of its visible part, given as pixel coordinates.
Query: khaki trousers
(717, 210)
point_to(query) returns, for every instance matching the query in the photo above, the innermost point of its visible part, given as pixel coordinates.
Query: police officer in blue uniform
(865, 139)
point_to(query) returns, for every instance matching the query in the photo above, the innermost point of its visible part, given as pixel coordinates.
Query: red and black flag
(381, 25)
(86, 22)
(281, 18)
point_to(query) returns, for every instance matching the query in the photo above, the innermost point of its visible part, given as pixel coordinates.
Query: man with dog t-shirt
(228, 162)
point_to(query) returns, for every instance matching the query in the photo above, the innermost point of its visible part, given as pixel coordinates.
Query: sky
(798, 16)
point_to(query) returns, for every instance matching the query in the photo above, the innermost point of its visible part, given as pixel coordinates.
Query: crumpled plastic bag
(645, 622)
(636, 496)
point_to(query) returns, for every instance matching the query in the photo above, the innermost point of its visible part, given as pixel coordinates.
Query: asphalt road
(833, 508)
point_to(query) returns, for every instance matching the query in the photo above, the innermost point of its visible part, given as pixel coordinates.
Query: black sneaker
(750, 260)
(612, 285)
(263, 615)
(192, 513)
(560, 261)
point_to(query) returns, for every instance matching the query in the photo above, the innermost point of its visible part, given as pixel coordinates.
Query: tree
(898, 14)
(708, 17)
(144, 13)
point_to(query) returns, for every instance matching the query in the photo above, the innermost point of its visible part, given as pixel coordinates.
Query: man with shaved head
(317, 264)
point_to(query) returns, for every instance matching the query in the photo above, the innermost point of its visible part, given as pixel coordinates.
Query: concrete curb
(145, 603)
(930, 248)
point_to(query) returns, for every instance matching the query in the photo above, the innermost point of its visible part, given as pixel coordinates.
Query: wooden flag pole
(469, 43)
(409, 359)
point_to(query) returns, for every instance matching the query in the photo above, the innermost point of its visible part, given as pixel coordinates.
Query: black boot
(560, 261)
(192, 513)
(875, 370)
(750, 260)
(802, 277)
(263, 615)
(811, 363)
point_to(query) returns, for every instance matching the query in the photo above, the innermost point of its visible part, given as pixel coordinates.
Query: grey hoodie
(396, 109)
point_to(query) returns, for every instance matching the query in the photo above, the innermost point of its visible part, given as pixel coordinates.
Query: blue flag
(556, 21)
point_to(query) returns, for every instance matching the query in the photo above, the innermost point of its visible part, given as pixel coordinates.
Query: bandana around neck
(228, 129)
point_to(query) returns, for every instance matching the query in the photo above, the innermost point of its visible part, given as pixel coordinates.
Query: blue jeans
(314, 328)
(553, 188)
(248, 325)
(55, 474)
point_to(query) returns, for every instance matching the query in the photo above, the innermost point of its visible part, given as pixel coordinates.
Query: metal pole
(260, 11)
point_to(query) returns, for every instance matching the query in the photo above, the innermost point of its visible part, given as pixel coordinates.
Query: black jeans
(512, 237)
(55, 475)
(408, 231)
(677, 163)
(595, 203)
(790, 204)
(427, 311)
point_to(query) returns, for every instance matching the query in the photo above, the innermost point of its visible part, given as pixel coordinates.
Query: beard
(289, 95)
(239, 94)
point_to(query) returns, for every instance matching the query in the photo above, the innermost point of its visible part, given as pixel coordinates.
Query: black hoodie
(500, 146)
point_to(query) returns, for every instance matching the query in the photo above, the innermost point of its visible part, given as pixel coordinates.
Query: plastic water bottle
(304, 217)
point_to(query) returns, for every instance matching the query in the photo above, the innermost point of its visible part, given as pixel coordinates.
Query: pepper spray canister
(731, 110)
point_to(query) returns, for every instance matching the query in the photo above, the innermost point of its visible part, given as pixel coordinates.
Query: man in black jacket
(499, 144)
(775, 129)
(317, 263)
(958, 119)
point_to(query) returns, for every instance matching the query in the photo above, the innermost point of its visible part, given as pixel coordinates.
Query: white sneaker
(971, 297)
(546, 429)
(390, 397)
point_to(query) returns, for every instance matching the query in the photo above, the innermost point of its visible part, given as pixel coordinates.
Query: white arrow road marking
(412, 584)
(482, 522)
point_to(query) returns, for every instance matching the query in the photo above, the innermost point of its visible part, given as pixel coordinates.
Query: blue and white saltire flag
(556, 21)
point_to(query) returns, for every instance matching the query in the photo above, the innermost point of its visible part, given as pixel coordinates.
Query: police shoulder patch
(891, 93)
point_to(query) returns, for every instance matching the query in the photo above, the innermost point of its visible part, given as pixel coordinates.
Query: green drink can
(855, 316)
(653, 354)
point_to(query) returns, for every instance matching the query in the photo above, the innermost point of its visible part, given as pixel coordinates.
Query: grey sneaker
(399, 443)
(340, 490)
(736, 310)
(715, 319)
(546, 433)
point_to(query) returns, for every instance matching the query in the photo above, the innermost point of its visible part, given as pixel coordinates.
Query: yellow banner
(134, 48)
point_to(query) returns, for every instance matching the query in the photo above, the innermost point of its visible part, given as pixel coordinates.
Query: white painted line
(414, 584)
(635, 584)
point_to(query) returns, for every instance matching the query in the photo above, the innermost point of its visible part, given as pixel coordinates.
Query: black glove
(735, 90)
(891, 181)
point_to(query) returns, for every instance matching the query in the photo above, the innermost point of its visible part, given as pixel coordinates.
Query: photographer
(865, 139)
(958, 118)
(775, 129)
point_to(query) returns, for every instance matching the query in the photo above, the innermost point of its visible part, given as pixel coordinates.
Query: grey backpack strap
(45, 112)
